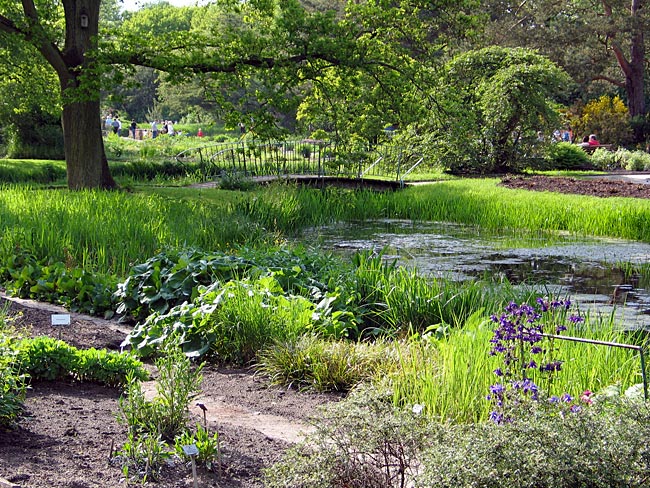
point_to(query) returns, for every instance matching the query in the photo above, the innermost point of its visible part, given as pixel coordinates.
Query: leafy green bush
(45, 358)
(564, 155)
(604, 159)
(171, 278)
(80, 291)
(604, 445)
(12, 380)
(365, 441)
(12, 393)
(232, 321)
(637, 161)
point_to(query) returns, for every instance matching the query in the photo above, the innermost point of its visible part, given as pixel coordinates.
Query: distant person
(593, 140)
(242, 128)
(170, 128)
(154, 129)
(116, 125)
(199, 133)
(585, 142)
(108, 123)
(134, 126)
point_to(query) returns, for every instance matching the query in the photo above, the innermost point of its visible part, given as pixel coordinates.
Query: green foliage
(167, 414)
(75, 288)
(365, 442)
(32, 171)
(231, 321)
(171, 278)
(207, 445)
(493, 102)
(601, 446)
(145, 454)
(12, 393)
(12, 380)
(636, 160)
(607, 160)
(607, 117)
(45, 358)
(564, 155)
(315, 364)
(235, 181)
(450, 373)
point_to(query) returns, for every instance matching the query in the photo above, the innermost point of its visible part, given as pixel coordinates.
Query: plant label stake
(60, 320)
(191, 450)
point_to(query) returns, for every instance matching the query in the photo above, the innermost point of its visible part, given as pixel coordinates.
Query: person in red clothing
(593, 140)
(199, 133)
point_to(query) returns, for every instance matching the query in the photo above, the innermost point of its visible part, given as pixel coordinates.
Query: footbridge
(306, 160)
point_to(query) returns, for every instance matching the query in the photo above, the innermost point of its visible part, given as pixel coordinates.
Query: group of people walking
(162, 127)
(112, 123)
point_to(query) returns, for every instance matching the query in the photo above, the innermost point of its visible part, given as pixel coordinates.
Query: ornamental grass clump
(524, 338)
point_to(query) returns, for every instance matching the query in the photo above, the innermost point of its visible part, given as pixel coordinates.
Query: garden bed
(68, 431)
(610, 186)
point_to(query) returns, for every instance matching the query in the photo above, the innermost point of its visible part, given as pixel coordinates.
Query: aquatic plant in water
(524, 337)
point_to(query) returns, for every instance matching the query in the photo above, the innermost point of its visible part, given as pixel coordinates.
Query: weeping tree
(491, 105)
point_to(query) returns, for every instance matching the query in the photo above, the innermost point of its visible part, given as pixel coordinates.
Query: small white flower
(417, 409)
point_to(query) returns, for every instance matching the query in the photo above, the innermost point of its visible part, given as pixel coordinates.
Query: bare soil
(614, 185)
(69, 433)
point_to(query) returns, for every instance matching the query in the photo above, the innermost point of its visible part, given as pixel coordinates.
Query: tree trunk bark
(84, 147)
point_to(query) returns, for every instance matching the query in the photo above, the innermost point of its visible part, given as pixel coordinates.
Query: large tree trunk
(634, 85)
(82, 133)
(84, 147)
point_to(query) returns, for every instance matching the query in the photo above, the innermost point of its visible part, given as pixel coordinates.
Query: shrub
(363, 442)
(12, 381)
(12, 393)
(232, 322)
(607, 117)
(366, 442)
(602, 446)
(607, 160)
(564, 155)
(637, 161)
(167, 414)
(171, 278)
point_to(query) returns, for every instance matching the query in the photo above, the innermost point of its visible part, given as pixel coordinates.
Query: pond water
(588, 270)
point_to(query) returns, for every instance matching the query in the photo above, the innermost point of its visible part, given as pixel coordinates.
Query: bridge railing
(298, 157)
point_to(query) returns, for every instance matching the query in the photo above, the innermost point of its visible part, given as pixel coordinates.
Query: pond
(589, 270)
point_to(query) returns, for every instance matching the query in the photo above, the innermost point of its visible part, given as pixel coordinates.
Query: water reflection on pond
(587, 269)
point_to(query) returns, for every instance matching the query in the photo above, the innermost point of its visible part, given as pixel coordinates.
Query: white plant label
(61, 319)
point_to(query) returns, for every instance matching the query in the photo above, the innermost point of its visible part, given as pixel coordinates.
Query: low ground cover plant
(12, 381)
(46, 358)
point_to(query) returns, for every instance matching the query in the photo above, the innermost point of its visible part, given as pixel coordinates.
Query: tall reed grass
(478, 202)
(108, 232)
(451, 376)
